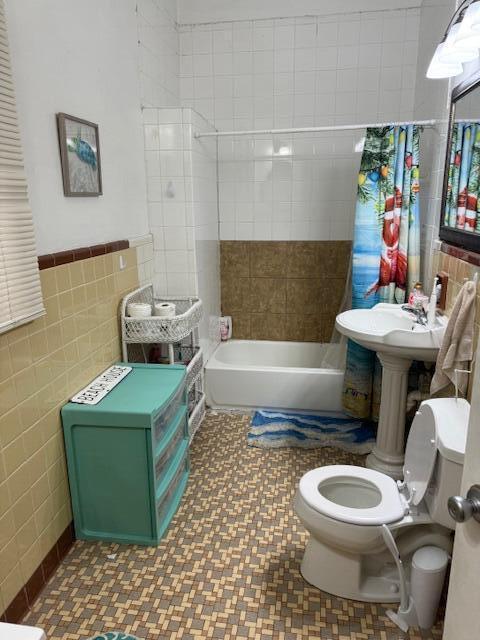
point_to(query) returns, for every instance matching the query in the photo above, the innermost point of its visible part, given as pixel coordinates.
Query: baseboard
(27, 595)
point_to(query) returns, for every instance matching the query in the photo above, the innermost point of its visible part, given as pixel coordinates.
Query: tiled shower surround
(297, 72)
(283, 290)
(42, 364)
(183, 211)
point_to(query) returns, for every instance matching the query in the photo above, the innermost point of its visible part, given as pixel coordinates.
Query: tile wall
(145, 264)
(301, 71)
(431, 101)
(158, 52)
(296, 187)
(283, 290)
(41, 365)
(183, 210)
(298, 72)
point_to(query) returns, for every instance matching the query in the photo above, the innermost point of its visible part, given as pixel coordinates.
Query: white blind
(20, 291)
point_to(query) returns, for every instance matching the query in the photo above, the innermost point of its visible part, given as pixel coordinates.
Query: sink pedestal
(388, 453)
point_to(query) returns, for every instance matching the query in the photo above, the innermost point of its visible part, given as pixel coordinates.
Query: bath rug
(113, 635)
(274, 429)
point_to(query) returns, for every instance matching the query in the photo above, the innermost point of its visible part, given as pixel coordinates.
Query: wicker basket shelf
(155, 329)
(180, 333)
(196, 417)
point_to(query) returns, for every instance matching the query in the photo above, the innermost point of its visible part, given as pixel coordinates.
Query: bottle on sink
(417, 298)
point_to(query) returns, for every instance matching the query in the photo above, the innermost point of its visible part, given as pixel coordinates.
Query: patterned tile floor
(227, 568)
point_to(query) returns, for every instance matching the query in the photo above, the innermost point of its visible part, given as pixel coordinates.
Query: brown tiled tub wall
(283, 290)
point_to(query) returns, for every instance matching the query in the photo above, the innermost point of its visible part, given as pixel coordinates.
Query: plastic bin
(429, 566)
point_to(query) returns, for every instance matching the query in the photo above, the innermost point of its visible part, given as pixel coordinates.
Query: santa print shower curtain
(386, 247)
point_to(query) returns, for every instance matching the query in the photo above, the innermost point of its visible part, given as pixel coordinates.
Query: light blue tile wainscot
(127, 456)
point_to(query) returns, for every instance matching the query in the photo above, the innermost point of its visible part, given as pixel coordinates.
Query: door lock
(462, 509)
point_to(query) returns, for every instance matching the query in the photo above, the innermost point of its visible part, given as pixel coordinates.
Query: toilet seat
(389, 504)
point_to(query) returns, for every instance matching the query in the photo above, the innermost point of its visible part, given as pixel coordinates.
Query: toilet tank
(451, 434)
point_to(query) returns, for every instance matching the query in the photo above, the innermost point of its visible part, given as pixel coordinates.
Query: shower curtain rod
(338, 127)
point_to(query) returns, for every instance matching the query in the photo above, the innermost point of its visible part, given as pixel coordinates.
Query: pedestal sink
(398, 340)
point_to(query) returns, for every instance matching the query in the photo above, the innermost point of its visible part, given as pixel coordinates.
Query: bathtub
(280, 375)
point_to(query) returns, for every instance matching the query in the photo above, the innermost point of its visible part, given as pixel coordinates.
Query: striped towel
(272, 429)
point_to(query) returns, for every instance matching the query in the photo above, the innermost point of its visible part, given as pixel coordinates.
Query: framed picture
(80, 156)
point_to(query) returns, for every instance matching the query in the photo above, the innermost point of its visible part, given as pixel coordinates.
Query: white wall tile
(297, 72)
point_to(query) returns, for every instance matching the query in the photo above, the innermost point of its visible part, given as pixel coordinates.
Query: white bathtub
(280, 375)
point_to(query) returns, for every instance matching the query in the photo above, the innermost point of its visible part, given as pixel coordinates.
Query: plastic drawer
(168, 449)
(168, 499)
(162, 421)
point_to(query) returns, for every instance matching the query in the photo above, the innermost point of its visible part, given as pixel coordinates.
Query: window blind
(20, 291)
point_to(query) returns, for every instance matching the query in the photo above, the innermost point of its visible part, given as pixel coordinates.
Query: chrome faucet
(418, 312)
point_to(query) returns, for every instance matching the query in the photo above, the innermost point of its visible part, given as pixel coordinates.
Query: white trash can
(429, 565)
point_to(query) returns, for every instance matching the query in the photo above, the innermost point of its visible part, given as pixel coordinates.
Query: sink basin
(387, 328)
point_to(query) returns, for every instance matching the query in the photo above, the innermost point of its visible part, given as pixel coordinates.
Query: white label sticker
(101, 386)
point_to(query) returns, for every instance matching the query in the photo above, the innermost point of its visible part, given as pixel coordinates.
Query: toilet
(344, 507)
(20, 632)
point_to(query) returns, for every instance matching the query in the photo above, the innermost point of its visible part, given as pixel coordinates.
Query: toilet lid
(420, 453)
(352, 494)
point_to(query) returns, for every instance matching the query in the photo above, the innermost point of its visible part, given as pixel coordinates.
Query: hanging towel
(457, 345)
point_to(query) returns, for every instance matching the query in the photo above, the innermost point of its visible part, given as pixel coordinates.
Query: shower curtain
(386, 247)
(462, 207)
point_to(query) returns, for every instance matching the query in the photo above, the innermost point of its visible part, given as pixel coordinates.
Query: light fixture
(456, 49)
(460, 43)
(472, 16)
(441, 69)
(467, 32)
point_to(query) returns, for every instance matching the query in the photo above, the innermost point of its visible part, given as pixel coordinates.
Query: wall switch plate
(122, 262)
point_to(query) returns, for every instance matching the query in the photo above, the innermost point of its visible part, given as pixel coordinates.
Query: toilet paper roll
(164, 309)
(139, 310)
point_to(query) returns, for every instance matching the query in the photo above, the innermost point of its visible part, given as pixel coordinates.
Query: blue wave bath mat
(113, 635)
(272, 429)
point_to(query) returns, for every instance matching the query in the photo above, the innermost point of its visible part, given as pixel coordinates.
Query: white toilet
(343, 508)
(20, 632)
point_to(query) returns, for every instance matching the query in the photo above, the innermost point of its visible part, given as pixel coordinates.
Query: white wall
(298, 72)
(158, 51)
(191, 11)
(80, 58)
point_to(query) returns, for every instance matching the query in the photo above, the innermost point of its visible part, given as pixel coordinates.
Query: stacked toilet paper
(139, 310)
(143, 310)
(164, 309)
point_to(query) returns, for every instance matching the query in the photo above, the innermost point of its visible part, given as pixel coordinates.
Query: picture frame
(79, 156)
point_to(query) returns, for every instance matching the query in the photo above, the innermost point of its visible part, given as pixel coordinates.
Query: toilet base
(354, 576)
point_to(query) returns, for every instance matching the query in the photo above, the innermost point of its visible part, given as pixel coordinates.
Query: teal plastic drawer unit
(127, 456)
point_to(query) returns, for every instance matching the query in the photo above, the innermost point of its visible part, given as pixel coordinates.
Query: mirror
(460, 220)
